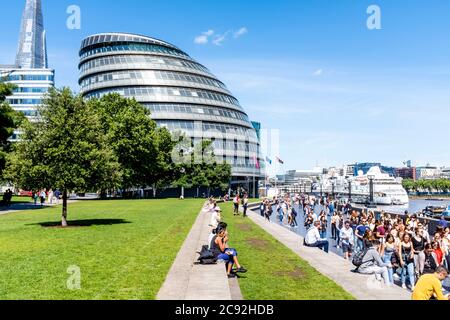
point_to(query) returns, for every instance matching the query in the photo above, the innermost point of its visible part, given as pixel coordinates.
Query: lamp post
(332, 189)
(371, 200)
(321, 192)
(349, 190)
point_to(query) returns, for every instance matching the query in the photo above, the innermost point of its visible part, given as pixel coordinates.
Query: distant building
(299, 176)
(365, 167)
(182, 95)
(30, 74)
(406, 173)
(350, 170)
(428, 173)
(445, 173)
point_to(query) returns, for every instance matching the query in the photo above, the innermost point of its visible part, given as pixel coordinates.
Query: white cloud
(240, 32)
(220, 38)
(201, 39)
(204, 37)
(318, 73)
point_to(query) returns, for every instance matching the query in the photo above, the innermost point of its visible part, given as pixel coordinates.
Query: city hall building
(181, 94)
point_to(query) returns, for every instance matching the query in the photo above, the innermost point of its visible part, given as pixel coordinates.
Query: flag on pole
(280, 161)
(256, 162)
(268, 160)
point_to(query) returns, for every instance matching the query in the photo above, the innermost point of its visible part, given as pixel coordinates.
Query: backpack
(206, 256)
(359, 257)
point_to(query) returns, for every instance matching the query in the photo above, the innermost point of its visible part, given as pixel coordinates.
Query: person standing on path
(388, 251)
(323, 227)
(334, 226)
(360, 232)
(406, 255)
(245, 204)
(419, 242)
(42, 196)
(57, 195)
(236, 204)
(348, 240)
(262, 207)
(50, 197)
(268, 209)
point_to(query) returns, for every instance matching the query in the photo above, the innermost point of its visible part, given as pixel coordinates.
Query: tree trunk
(154, 191)
(198, 191)
(182, 192)
(64, 210)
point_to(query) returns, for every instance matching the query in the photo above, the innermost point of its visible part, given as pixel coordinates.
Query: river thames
(415, 206)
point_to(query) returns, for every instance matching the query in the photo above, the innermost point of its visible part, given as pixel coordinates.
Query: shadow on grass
(18, 206)
(82, 223)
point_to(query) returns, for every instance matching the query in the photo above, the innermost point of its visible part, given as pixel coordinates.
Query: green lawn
(124, 252)
(275, 272)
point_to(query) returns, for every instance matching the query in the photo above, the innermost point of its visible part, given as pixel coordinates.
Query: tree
(142, 149)
(64, 149)
(9, 121)
(206, 172)
(128, 128)
(409, 184)
(164, 174)
(196, 165)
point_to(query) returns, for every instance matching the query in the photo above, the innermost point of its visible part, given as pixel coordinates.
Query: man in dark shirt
(360, 232)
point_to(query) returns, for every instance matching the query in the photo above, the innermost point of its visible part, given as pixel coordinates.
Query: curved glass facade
(181, 94)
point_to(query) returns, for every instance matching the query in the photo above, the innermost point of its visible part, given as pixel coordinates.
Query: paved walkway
(362, 287)
(188, 281)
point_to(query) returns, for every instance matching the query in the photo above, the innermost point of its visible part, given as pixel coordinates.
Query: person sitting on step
(220, 250)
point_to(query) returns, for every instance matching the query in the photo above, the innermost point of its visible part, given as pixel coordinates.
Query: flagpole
(276, 179)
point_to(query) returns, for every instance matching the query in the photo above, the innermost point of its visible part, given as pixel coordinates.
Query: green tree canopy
(198, 166)
(64, 149)
(142, 149)
(9, 121)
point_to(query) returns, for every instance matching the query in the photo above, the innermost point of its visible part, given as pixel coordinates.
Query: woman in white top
(215, 217)
(50, 196)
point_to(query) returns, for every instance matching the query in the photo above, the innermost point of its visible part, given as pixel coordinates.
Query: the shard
(32, 51)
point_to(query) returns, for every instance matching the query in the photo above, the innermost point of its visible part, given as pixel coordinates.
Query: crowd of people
(46, 196)
(392, 247)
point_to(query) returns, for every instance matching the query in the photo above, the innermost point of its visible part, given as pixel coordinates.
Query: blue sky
(337, 91)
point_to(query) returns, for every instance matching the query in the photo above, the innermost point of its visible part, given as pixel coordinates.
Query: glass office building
(181, 94)
(30, 74)
(32, 51)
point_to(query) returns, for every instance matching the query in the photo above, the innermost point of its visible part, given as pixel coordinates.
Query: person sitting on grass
(429, 286)
(313, 239)
(221, 251)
